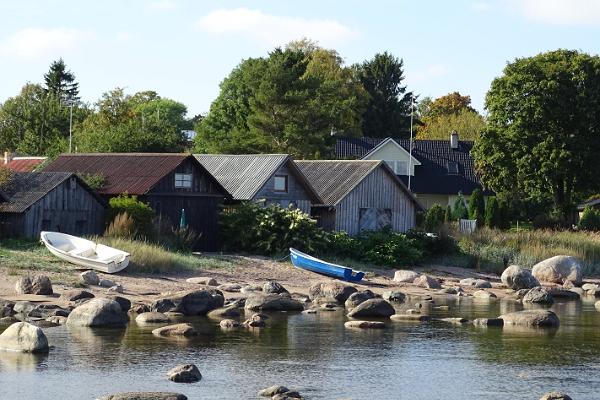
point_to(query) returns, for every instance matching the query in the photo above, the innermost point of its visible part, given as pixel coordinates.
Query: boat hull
(309, 263)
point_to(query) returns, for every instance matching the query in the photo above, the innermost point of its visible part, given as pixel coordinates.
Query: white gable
(396, 156)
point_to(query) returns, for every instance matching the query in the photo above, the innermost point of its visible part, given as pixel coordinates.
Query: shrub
(477, 207)
(492, 213)
(94, 181)
(460, 208)
(121, 227)
(590, 219)
(448, 215)
(388, 248)
(434, 217)
(140, 212)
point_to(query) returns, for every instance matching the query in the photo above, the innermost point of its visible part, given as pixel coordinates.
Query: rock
(456, 320)
(519, 294)
(484, 294)
(273, 287)
(449, 290)
(365, 324)
(250, 323)
(597, 305)
(358, 297)
(272, 391)
(405, 276)
(229, 324)
(239, 303)
(558, 269)
(39, 284)
(251, 289)
(410, 317)
(74, 295)
(186, 373)
(289, 395)
(442, 308)
(427, 282)
(556, 396)
(90, 278)
(225, 312)
(144, 396)
(538, 295)
(6, 308)
(152, 318)
(516, 278)
(190, 302)
(23, 285)
(9, 320)
(107, 283)
(185, 330)
(203, 281)
(57, 319)
(24, 337)
(46, 310)
(309, 311)
(589, 286)
(394, 296)
(230, 287)
(488, 322)
(594, 292)
(561, 293)
(531, 318)
(139, 308)
(372, 308)
(337, 290)
(98, 312)
(476, 283)
(23, 307)
(272, 302)
(115, 289)
(124, 303)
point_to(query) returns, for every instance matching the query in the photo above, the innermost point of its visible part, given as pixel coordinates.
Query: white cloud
(564, 12)
(272, 30)
(428, 73)
(162, 5)
(33, 43)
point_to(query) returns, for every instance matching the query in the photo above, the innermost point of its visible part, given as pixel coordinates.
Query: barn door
(373, 219)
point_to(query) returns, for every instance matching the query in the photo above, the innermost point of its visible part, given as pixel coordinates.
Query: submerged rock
(24, 337)
(185, 330)
(516, 278)
(538, 295)
(272, 302)
(405, 276)
(98, 312)
(229, 324)
(427, 282)
(531, 318)
(144, 396)
(372, 308)
(272, 391)
(190, 302)
(336, 290)
(90, 278)
(186, 373)
(556, 396)
(488, 322)
(225, 312)
(410, 317)
(365, 324)
(559, 269)
(152, 318)
(483, 294)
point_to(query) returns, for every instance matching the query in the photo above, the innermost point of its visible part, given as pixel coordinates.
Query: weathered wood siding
(296, 192)
(325, 217)
(377, 190)
(68, 208)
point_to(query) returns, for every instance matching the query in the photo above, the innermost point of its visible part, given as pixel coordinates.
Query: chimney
(454, 140)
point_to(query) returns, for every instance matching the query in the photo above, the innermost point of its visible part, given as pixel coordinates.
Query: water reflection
(13, 361)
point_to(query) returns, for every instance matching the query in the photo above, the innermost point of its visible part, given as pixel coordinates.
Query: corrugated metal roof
(242, 175)
(24, 164)
(26, 188)
(134, 173)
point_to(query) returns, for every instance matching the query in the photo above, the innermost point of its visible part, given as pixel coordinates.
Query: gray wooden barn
(359, 195)
(32, 202)
(264, 178)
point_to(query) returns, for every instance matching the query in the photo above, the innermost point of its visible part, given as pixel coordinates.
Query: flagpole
(411, 140)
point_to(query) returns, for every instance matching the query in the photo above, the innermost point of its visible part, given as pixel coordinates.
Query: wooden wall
(378, 190)
(296, 191)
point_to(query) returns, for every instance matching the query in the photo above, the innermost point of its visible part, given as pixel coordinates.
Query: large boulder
(556, 396)
(6, 308)
(190, 302)
(358, 297)
(476, 283)
(185, 330)
(372, 308)
(98, 312)
(90, 278)
(538, 295)
(186, 373)
(39, 284)
(273, 390)
(559, 269)
(272, 302)
(516, 278)
(394, 296)
(405, 276)
(124, 302)
(24, 337)
(427, 282)
(273, 287)
(144, 396)
(531, 318)
(225, 312)
(337, 290)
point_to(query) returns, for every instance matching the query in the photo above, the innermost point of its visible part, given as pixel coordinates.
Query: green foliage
(448, 215)
(477, 207)
(492, 213)
(590, 219)
(122, 226)
(140, 213)
(434, 218)
(389, 248)
(60, 83)
(94, 181)
(543, 128)
(389, 108)
(5, 176)
(269, 230)
(467, 123)
(460, 208)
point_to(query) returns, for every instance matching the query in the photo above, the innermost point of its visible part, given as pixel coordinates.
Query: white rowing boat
(85, 253)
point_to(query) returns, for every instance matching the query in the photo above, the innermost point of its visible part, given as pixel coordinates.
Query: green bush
(590, 219)
(140, 213)
(434, 217)
(492, 213)
(477, 207)
(460, 208)
(448, 215)
(388, 248)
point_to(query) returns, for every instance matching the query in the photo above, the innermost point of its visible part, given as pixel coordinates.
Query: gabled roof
(26, 188)
(243, 175)
(369, 155)
(335, 179)
(432, 175)
(24, 164)
(134, 173)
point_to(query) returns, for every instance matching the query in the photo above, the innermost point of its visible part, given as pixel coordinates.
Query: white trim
(386, 141)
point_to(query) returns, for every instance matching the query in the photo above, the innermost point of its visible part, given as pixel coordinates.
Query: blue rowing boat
(310, 263)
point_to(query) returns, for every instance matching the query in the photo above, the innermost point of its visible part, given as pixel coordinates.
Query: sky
(183, 49)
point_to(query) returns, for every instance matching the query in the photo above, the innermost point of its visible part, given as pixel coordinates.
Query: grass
(491, 249)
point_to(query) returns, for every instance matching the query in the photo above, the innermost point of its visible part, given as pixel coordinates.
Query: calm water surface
(316, 355)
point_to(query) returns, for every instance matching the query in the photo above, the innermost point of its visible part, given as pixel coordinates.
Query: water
(316, 355)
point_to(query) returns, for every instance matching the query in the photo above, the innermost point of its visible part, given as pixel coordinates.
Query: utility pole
(71, 126)
(411, 140)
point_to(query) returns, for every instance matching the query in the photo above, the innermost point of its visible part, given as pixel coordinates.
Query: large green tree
(543, 134)
(60, 82)
(389, 108)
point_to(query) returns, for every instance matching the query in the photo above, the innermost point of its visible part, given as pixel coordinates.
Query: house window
(281, 183)
(452, 168)
(183, 181)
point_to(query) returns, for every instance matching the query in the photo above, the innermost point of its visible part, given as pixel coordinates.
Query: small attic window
(452, 168)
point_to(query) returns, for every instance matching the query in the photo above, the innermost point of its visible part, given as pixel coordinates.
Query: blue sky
(183, 49)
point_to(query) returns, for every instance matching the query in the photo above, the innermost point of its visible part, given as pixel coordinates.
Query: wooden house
(168, 182)
(264, 178)
(31, 202)
(360, 195)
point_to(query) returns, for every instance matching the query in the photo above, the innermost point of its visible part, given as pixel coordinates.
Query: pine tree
(448, 215)
(460, 208)
(492, 213)
(60, 82)
(477, 207)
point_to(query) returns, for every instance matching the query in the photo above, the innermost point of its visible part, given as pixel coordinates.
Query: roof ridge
(124, 154)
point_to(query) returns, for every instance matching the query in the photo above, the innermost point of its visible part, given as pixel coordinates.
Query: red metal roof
(23, 164)
(134, 173)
